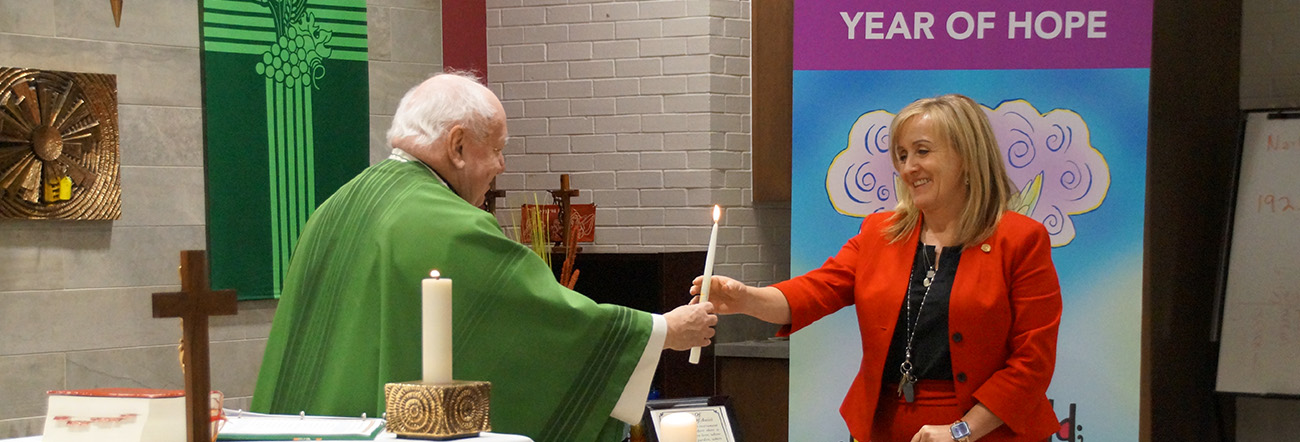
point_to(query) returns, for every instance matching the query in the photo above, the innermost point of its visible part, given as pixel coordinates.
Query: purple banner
(988, 34)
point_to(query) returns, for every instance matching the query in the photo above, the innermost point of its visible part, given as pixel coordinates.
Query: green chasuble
(349, 317)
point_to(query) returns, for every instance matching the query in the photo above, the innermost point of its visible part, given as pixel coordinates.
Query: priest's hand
(689, 326)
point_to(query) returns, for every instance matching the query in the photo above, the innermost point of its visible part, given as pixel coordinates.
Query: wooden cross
(193, 304)
(490, 202)
(561, 198)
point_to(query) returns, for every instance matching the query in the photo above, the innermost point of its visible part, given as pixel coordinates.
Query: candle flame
(717, 213)
(434, 274)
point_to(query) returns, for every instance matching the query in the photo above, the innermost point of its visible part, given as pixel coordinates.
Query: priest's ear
(455, 139)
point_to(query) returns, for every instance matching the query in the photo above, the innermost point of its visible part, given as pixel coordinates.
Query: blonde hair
(988, 187)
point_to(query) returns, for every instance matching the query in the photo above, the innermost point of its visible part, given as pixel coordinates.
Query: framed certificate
(715, 419)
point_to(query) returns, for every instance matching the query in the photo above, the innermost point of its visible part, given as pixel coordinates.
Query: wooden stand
(193, 304)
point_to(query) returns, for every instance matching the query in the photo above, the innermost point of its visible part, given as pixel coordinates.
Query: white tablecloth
(485, 437)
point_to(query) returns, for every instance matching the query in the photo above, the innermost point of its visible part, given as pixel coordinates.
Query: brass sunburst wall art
(117, 12)
(58, 145)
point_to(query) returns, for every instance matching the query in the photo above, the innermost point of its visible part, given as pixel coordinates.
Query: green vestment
(348, 320)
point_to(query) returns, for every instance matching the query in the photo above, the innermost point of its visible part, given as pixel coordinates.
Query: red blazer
(1003, 317)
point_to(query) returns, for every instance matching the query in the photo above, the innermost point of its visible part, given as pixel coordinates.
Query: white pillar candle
(436, 326)
(708, 272)
(677, 427)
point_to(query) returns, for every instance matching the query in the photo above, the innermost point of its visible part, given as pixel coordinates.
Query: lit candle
(677, 427)
(708, 272)
(436, 326)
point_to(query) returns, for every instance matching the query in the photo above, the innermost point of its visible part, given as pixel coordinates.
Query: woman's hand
(730, 296)
(727, 295)
(979, 420)
(933, 433)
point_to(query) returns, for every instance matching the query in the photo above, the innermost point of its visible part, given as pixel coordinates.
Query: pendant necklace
(906, 384)
(929, 270)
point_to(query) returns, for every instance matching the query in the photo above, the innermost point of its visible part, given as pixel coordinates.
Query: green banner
(286, 115)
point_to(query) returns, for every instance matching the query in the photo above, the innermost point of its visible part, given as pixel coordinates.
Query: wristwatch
(960, 431)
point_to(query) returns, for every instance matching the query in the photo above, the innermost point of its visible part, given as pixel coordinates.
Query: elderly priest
(562, 367)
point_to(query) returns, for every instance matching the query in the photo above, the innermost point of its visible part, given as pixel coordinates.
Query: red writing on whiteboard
(1270, 203)
(1276, 142)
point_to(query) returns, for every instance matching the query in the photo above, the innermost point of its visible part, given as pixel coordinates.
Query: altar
(134, 414)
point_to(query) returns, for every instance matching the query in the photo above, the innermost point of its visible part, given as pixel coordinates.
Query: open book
(243, 425)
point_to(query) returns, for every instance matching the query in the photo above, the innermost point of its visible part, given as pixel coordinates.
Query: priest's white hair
(435, 105)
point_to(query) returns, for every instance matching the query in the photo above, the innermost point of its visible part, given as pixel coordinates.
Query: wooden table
(756, 376)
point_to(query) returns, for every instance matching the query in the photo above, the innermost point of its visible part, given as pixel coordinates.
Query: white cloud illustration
(1048, 156)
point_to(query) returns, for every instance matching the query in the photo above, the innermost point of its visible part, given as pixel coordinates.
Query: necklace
(906, 384)
(929, 270)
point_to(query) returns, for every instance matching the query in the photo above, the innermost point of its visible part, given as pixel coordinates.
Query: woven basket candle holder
(438, 410)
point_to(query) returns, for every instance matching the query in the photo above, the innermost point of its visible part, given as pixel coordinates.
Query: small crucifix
(193, 304)
(562, 198)
(490, 201)
(569, 244)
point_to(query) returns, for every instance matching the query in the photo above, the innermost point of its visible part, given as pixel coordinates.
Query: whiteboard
(1259, 351)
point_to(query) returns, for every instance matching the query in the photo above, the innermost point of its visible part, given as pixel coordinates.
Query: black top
(930, 358)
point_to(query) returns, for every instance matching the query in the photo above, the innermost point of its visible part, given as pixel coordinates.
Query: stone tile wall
(75, 296)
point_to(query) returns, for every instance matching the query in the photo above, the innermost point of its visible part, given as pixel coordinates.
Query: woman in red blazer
(957, 299)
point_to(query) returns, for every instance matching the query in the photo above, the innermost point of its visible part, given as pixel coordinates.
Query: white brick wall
(646, 105)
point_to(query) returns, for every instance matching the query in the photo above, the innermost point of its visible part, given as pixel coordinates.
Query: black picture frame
(719, 407)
